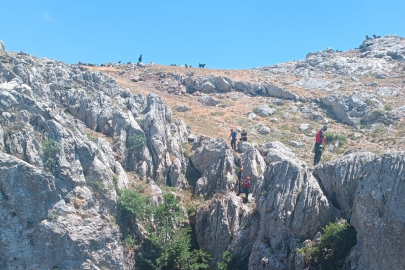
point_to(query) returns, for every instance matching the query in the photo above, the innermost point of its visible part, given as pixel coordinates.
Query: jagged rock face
(2, 46)
(215, 162)
(253, 166)
(290, 206)
(74, 186)
(220, 221)
(378, 214)
(387, 47)
(166, 140)
(340, 179)
(353, 109)
(368, 190)
(43, 230)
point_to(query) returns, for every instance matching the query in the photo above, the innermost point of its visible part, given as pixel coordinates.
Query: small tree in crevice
(49, 149)
(337, 239)
(168, 244)
(136, 143)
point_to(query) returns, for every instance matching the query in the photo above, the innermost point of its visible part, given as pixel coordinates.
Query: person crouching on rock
(243, 136)
(320, 137)
(246, 188)
(233, 140)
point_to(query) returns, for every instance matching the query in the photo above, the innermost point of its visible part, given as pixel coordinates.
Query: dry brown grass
(216, 121)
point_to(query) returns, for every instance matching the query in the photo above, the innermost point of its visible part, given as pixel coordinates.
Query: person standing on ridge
(140, 59)
(240, 181)
(233, 141)
(320, 137)
(246, 187)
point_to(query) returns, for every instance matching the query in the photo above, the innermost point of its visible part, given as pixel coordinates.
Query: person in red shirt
(320, 138)
(246, 187)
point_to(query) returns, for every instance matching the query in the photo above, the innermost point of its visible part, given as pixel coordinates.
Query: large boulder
(378, 215)
(276, 151)
(291, 206)
(208, 100)
(275, 91)
(218, 221)
(215, 162)
(340, 179)
(264, 110)
(223, 84)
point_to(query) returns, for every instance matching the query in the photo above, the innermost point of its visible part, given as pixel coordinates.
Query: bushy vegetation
(337, 239)
(136, 143)
(379, 112)
(388, 107)
(49, 149)
(331, 137)
(168, 235)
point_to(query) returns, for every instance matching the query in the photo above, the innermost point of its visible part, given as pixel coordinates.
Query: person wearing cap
(233, 140)
(246, 187)
(240, 181)
(320, 138)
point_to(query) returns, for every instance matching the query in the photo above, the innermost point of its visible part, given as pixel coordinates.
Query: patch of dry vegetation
(216, 121)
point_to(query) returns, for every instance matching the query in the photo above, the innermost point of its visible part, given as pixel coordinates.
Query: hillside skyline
(224, 35)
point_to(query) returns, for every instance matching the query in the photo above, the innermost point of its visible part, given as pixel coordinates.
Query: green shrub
(330, 137)
(129, 242)
(217, 113)
(169, 238)
(369, 102)
(388, 107)
(99, 184)
(49, 149)
(379, 112)
(185, 149)
(115, 180)
(227, 259)
(134, 205)
(91, 138)
(378, 132)
(136, 143)
(337, 239)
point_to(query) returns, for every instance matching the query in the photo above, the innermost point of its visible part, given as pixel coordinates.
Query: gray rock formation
(49, 222)
(287, 197)
(53, 117)
(264, 130)
(215, 163)
(264, 110)
(208, 100)
(367, 190)
(378, 215)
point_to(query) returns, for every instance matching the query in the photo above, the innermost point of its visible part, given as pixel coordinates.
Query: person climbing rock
(240, 181)
(243, 136)
(320, 137)
(246, 188)
(233, 140)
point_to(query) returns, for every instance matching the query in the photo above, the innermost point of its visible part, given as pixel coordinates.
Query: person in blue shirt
(233, 140)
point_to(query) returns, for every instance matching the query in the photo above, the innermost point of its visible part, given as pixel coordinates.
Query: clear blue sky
(222, 34)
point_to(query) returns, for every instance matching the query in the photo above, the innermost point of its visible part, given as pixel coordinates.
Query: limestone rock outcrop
(289, 206)
(367, 189)
(67, 136)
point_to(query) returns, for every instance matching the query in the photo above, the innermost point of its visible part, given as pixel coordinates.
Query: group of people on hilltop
(244, 186)
(234, 135)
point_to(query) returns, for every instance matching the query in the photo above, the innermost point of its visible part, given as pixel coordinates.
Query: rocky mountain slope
(72, 136)
(359, 93)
